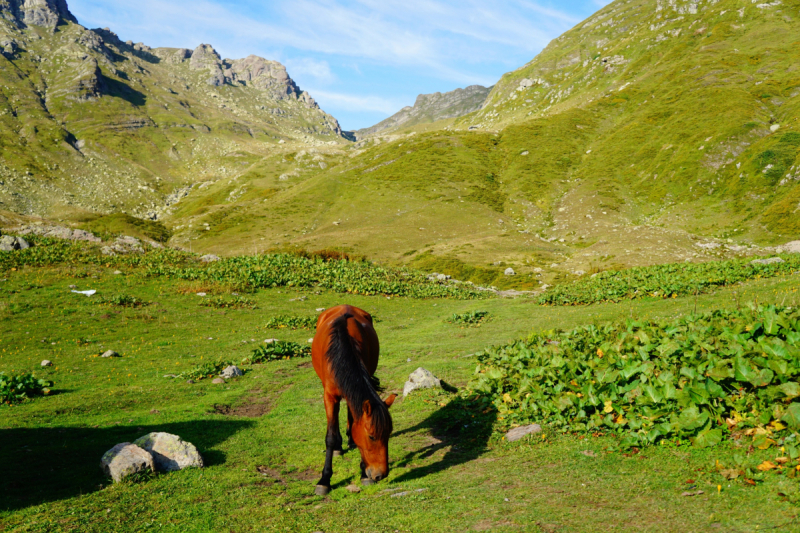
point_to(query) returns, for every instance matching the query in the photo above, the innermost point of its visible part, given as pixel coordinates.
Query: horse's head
(371, 433)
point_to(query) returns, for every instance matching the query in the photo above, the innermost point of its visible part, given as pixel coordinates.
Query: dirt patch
(270, 473)
(253, 407)
(307, 364)
(486, 525)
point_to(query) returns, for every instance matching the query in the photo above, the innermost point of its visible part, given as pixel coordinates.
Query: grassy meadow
(262, 435)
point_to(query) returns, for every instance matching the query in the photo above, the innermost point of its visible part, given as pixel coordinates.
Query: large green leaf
(691, 418)
(792, 416)
(708, 438)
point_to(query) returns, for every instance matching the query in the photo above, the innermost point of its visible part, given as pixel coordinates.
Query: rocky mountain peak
(45, 13)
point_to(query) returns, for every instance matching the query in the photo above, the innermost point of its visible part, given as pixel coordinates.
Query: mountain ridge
(430, 108)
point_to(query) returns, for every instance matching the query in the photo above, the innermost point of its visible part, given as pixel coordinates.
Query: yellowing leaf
(507, 398)
(766, 465)
(608, 408)
(777, 426)
(599, 352)
(621, 420)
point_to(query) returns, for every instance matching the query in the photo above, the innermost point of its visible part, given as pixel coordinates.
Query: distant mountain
(430, 108)
(91, 124)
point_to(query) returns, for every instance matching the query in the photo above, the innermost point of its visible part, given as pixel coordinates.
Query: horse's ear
(390, 400)
(367, 408)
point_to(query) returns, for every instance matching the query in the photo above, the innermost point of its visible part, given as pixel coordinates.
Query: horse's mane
(352, 378)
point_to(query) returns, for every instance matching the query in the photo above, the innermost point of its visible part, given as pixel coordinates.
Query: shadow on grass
(39, 465)
(462, 428)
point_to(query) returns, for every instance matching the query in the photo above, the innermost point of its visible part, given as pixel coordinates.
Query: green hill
(656, 131)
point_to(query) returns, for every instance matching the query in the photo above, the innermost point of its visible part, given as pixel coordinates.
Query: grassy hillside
(618, 145)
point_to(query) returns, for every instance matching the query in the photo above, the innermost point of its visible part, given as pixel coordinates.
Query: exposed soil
(253, 407)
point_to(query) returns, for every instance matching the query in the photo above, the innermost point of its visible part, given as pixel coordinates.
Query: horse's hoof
(338, 453)
(367, 482)
(322, 490)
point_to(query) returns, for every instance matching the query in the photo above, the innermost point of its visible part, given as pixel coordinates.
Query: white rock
(170, 452)
(420, 379)
(218, 381)
(209, 258)
(231, 372)
(110, 353)
(510, 272)
(270, 341)
(201, 294)
(770, 261)
(126, 459)
(774, 128)
(47, 363)
(320, 309)
(517, 433)
(791, 247)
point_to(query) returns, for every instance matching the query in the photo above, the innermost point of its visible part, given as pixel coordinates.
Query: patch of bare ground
(487, 525)
(254, 406)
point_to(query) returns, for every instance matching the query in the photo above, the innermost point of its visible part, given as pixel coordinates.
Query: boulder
(231, 372)
(421, 379)
(47, 363)
(126, 459)
(10, 244)
(110, 353)
(791, 247)
(510, 272)
(517, 433)
(170, 452)
(770, 261)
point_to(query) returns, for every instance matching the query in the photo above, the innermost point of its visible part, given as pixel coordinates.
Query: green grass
(261, 470)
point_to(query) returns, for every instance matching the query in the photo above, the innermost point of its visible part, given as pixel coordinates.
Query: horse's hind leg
(333, 442)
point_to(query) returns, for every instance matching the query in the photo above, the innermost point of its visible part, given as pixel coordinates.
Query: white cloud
(352, 102)
(303, 68)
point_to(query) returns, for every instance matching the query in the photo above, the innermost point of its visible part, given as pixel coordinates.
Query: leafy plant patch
(207, 370)
(237, 302)
(17, 388)
(291, 322)
(666, 281)
(123, 300)
(704, 378)
(277, 350)
(470, 318)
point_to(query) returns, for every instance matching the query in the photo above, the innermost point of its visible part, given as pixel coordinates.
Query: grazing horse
(345, 357)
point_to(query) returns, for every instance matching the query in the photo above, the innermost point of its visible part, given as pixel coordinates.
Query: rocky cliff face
(45, 13)
(432, 107)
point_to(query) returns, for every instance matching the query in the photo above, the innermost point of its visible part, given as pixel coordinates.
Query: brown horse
(345, 357)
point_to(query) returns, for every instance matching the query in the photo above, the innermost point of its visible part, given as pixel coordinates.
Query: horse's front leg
(351, 444)
(333, 442)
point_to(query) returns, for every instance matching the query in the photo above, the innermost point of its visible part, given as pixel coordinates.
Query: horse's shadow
(462, 428)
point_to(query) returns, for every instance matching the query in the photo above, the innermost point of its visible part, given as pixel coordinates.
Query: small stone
(517, 433)
(420, 379)
(311, 340)
(117, 272)
(170, 452)
(110, 353)
(47, 363)
(231, 372)
(201, 294)
(218, 381)
(510, 272)
(73, 286)
(190, 381)
(209, 258)
(270, 341)
(320, 309)
(353, 488)
(126, 459)
(774, 128)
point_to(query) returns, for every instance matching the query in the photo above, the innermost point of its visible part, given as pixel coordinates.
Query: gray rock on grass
(421, 379)
(170, 452)
(231, 372)
(770, 261)
(517, 433)
(11, 244)
(47, 363)
(126, 459)
(209, 258)
(110, 353)
(791, 247)
(510, 272)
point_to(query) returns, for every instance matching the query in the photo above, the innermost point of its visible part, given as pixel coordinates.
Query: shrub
(469, 319)
(17, 388)
(292, 322)
(277, 350)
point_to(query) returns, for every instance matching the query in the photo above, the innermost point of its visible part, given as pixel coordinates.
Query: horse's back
(361, 331)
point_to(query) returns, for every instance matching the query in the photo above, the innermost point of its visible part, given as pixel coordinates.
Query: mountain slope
(91, 124)
(431, 108)
(653, 132)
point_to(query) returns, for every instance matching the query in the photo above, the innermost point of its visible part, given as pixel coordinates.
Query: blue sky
(363, 60)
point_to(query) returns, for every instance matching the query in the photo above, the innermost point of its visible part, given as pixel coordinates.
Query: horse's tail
(348, 370)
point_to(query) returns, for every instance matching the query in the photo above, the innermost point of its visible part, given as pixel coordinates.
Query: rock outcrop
(126, 459)
(170, 452)
(432, 107)
(45, 13)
